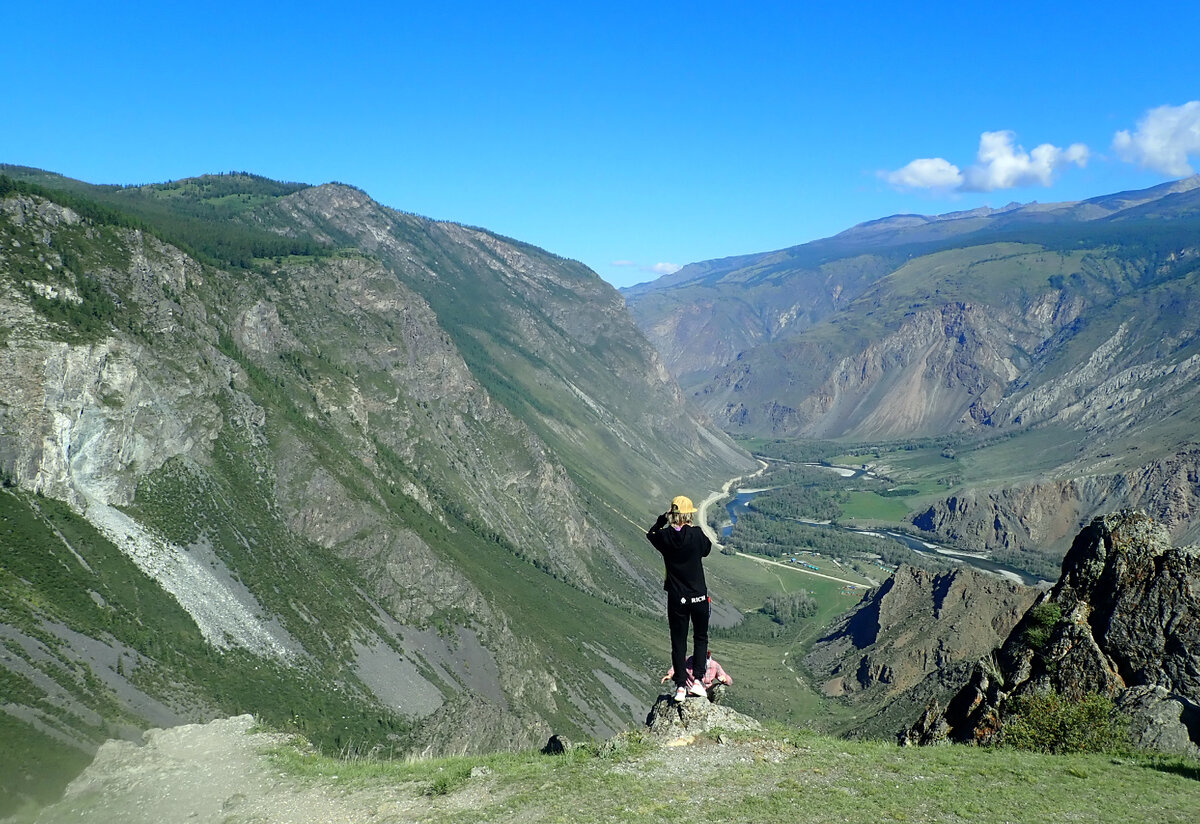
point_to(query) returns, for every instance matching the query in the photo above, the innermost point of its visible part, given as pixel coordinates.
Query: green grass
(769, 682)
(923, 465)
(783, 774)
(869, 506)
(34, 766)
(747, 583)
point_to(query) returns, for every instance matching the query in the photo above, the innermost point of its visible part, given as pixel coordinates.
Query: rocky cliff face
(1125, 623)
(944, 367)
(1071, 325)
(359, 475)
(913, 639)
(916, 623)
(1042, 517)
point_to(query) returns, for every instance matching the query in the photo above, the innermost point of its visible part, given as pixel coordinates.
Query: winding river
(741, 503)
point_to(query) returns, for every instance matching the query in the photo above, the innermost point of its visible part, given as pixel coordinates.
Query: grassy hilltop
(782, 774)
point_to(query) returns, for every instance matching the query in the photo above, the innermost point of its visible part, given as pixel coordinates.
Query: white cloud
(1164, 138)
(1001, 164)
(657, 268)
(925, 173)
(1004, 165)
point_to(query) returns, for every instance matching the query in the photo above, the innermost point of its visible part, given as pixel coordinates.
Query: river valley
(742, 503)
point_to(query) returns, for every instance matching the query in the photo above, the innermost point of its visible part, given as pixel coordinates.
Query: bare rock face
(913, 641)
(679, 723)
(1042, 517)
(1122, 621)
(1162, 720)
(917, 623)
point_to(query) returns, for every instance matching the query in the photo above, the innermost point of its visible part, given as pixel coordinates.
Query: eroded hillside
(335, 464)
(1067, 327)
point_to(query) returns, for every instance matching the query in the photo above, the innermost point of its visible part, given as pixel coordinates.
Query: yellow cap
(682, 505)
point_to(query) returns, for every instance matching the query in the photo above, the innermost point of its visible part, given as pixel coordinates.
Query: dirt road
(795, 568)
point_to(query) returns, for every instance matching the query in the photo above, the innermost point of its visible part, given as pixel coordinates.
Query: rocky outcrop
(1122, 621)
(467, 725)
(916, 623)
(676, 723)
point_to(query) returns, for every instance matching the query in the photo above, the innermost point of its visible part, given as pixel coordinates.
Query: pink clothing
(712, 673)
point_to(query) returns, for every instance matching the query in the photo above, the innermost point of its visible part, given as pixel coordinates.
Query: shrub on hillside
(1053, 723)
(1042, 619)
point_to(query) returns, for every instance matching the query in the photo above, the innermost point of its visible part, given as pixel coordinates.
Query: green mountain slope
(275, 448)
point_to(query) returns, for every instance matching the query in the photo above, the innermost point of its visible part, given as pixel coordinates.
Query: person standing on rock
(683, 548)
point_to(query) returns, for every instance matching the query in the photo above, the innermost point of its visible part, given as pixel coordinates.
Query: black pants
(678, 617)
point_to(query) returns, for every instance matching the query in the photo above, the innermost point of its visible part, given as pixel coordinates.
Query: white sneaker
(697, 689)
(680, 695)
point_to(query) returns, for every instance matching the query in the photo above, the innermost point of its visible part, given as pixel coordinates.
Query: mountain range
(276, 448)
(1052, 347)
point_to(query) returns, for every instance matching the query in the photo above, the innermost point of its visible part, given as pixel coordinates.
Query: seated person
(714, 681)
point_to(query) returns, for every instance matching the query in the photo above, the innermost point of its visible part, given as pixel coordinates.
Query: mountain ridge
(1069, 326)
(349, 455)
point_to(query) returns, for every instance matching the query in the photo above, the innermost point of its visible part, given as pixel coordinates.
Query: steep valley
(276, 448)
(1054, 345)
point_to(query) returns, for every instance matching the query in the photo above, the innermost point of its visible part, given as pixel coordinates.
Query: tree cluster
(204, 227)
(762, 535)
(799, 502)
(783, 609)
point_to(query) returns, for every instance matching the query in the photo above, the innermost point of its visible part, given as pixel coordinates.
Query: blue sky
(632, 137)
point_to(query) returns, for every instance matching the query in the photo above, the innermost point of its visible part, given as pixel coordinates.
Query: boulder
(677, 723)
(557, 745)
(1161, 720)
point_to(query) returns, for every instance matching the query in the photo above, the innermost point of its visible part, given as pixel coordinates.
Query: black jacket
(682, 551)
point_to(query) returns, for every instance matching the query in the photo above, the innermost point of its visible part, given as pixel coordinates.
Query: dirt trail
(201, 773)
(800, 569)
